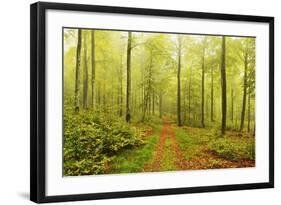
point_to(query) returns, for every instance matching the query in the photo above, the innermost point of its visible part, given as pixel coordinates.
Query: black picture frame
(38, 101)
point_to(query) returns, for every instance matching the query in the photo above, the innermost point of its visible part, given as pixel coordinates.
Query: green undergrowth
(192, 140)
(233, 146)
(91, 141)
(134, 160)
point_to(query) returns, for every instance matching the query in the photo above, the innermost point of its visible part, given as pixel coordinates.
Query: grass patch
(192, 140)
(233, 146)
(133, 160)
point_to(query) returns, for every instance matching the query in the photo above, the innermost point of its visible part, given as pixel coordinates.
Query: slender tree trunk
(140, 99)
(184, 102)
(77, 72)
(121, 89)
(212, 94)
(104, 95)
(232, 105)
(118, 100)
(245, 90)
(147, 94)
(99, 94)
(143, 92)
(128, 94)
(249, 109)
(112, 90)
(149, 101)
(145, 106)
(223, 87)
(179, 83)
(153, 103)
(85, 79)
(160, 104)
(203, 87)
(189, 94)
(134, 95)
(93, 68)
(149, 90)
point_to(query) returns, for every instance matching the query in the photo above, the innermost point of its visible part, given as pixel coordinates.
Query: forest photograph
(138, 101)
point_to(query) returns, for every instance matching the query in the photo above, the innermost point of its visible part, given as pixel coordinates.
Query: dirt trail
(168, 156)
(166, 133)
(180, 161)
(155, 165)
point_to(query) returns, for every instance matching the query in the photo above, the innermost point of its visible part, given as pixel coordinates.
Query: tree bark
(77, 72)
(104, 95)
(85, 76)
(223, 87)
(212, 94)
(203, 87)
(160, 104)
(184, 102)
(99, 93)
(145, 105)
(179, 83)
(232, 105)
(128, 94)
(153, 103)
(147, 92)
(189, 94)
(121, 89)
(93, 52)
(249, 108)
(245, 90)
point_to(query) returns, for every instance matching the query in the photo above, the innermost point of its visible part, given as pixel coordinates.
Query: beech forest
(153, 102)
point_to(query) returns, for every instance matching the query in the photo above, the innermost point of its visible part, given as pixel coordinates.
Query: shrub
(234, 149)
(91, 140)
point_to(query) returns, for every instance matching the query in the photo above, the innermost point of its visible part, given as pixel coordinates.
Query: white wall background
(14, 100)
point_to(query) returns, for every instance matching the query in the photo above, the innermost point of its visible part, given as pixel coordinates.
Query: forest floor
(171, 148)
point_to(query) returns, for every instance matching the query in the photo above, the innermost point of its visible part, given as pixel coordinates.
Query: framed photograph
(129, 102)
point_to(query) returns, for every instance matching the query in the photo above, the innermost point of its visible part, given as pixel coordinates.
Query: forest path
(168, 155)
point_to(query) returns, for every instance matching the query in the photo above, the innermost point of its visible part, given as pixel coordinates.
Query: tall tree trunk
(128, 94)
(223, 87)
(104, 95)
(184, 102)
(153, 103)
(121, 89)
(145, 105)
(160, 104)
(147, 94)
(99, 94)
(189, 94)
(149, 104)
(112, 90)
(143, 92)
(232, 105)
(203, 87)
(212, 94)
(77, 72)
(85, 76)
(93, 63)
(249, 109)
(118, 100)
(179, 83)
(134, 97)
(139, 99)
(245, 90)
